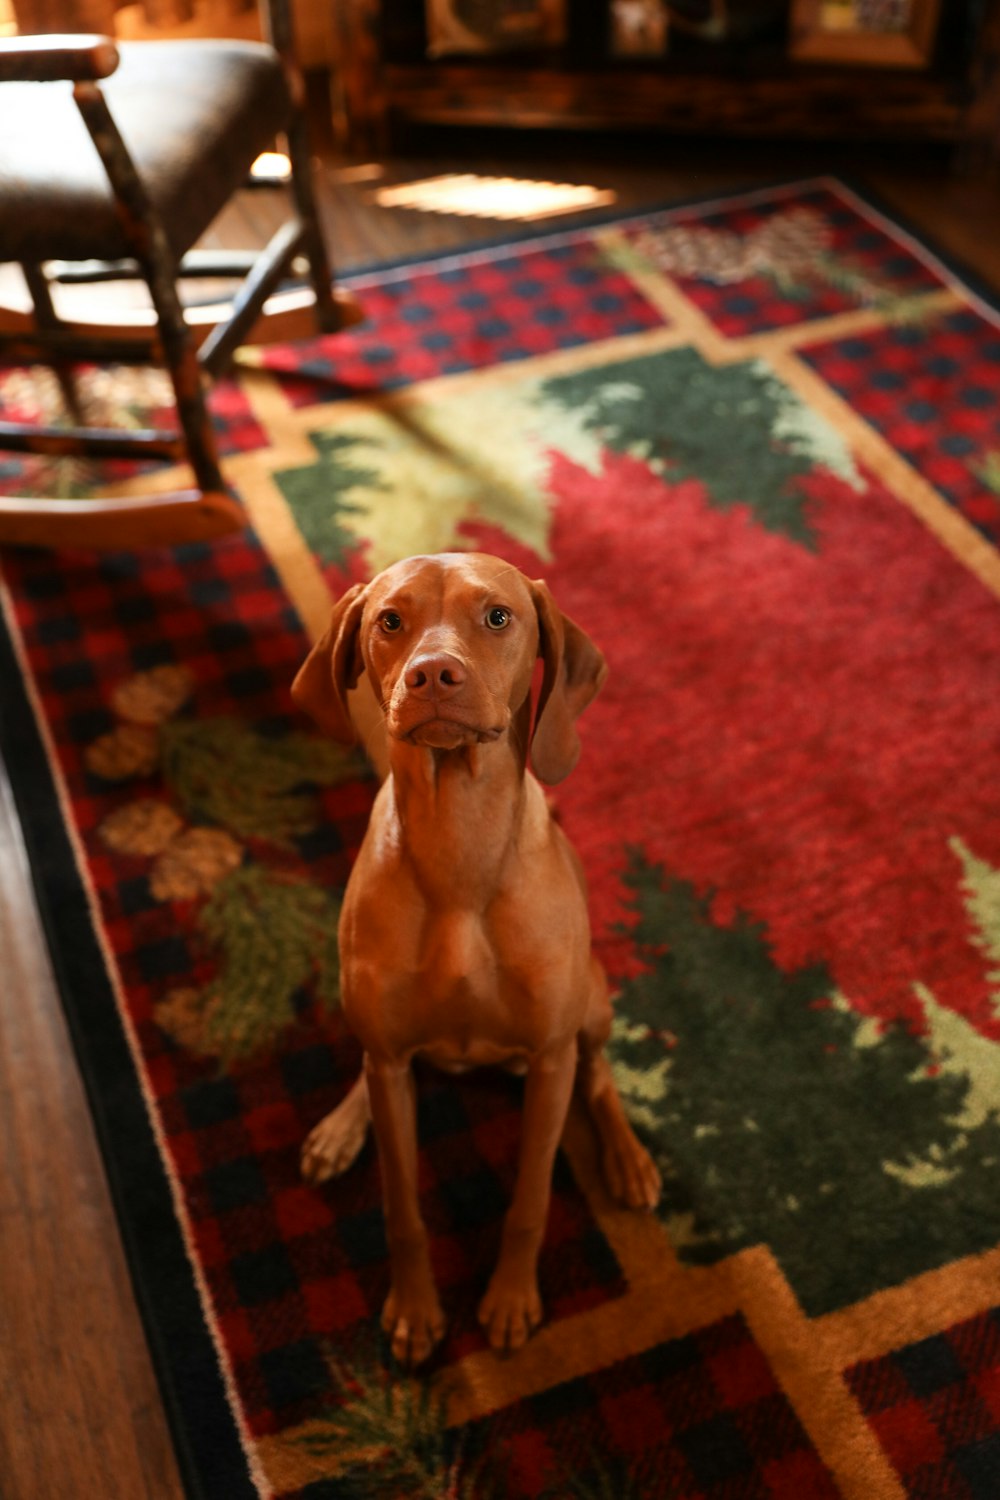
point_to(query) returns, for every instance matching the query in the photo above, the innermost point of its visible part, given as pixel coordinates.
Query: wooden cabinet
(749, 87)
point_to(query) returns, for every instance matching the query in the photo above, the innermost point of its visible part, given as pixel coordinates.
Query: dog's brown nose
(434, 676)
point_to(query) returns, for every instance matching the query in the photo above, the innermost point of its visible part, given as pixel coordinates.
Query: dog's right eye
(391, 622)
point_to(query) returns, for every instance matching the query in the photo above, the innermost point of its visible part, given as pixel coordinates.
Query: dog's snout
(435, 676)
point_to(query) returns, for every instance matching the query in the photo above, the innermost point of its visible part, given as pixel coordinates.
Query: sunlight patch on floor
(492, 197)
(271, 166)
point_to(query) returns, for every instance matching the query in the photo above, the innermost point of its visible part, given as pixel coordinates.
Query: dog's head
(449, 644)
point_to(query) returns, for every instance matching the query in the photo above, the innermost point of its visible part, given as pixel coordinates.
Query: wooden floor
(79, 1411)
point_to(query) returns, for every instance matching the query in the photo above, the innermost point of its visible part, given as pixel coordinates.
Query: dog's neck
(459, 812)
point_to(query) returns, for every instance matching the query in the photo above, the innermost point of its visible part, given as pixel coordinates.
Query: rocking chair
(113, 162)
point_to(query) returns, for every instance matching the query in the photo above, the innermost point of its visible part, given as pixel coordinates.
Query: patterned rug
(754, 447)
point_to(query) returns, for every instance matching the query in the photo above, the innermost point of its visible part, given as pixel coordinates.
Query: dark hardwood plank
(79, 1408)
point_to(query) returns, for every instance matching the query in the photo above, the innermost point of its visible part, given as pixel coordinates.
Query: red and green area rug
(754, 447)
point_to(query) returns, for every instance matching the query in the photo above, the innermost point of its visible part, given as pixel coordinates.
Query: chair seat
(194, 115)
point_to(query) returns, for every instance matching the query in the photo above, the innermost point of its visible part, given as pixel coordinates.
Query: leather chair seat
(194, 115)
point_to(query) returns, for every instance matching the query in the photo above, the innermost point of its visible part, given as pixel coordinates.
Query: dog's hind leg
(631, 1174)
(338, 1138)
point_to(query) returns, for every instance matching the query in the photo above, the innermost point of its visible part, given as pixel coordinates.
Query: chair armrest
(43, 59)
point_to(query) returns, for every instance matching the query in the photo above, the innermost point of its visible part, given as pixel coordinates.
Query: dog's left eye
(498, 618)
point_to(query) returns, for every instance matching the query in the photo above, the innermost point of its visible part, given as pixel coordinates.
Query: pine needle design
(387, 1436)
(389, 1433)
(794, 250)
(272, 931)
(223, 772)
(274, 935)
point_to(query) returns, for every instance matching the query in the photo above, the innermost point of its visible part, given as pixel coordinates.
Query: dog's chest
(459, 967)
(471, 957)
(470, 1007)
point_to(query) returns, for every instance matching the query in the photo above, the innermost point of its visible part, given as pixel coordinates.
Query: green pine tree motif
(386, 1435)
(409, 475)
(778, 1116)
(254, 784)
(476, 451)
(737, 428)
(273, 934)
(320, 493)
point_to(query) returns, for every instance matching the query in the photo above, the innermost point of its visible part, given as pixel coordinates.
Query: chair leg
(157, 262)
(47, 321)
(329, 315)
(331, 312)
(181, 361)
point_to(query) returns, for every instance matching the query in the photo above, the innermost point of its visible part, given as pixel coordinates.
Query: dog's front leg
(412, 1313)
(512, 1307)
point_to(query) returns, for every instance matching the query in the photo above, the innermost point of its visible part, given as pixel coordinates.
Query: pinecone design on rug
(221, 835)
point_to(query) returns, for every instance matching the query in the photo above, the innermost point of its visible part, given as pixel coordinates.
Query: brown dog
(464, 936)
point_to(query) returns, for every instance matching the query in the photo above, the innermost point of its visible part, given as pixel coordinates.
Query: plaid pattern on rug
(754, 447)
(934, 1405)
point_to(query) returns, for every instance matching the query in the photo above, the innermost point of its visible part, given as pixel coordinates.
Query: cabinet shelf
(801, 101)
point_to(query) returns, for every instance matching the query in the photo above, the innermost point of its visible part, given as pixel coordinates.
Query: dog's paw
(333, 1145)
(632, 1175)
(510, 1313)
(414, 1325)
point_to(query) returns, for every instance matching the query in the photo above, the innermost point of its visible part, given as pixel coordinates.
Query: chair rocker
(114, 160)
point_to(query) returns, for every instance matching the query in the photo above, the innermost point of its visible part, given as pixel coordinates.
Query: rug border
(870, 198)
(201, 1421)
(595, 219)
(950, 261)
(211, 1457)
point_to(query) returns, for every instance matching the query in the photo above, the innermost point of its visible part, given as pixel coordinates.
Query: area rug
(753, 445)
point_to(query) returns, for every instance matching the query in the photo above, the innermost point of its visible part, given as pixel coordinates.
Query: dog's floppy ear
(332, 667)
(573, 675)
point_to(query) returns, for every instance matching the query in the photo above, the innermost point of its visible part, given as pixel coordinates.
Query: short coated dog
(464, 936)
